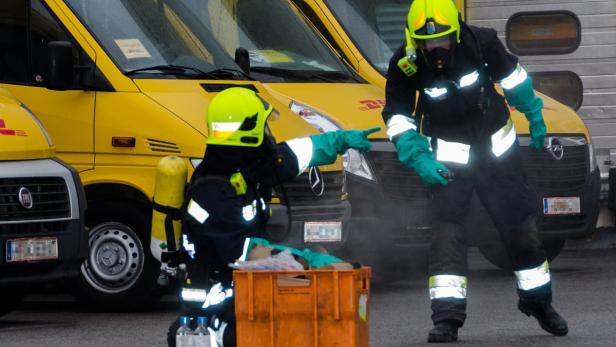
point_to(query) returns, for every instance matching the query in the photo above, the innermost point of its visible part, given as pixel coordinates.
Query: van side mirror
(242, 59)
(60, 71)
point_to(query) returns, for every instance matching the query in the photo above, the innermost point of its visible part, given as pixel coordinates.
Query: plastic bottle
(201, 334)
(183, 336)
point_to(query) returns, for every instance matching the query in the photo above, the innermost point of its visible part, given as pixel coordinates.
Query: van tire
(119, 272)
(497, 255)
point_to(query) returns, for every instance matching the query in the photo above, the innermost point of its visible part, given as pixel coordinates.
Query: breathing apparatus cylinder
(171, 175)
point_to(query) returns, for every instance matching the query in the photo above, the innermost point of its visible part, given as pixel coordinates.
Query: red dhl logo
(371, 104)
(10, 132)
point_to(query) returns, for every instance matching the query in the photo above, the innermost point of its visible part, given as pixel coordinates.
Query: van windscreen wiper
(191, 72)
(167, 70)
(227, 72)
(301, 75)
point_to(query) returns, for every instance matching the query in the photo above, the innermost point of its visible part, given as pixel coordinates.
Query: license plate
(323, 231)
(35, 249)
(556, 206)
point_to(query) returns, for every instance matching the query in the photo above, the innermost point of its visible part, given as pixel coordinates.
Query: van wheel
(119, 272)
(9, 300)
(497, 255)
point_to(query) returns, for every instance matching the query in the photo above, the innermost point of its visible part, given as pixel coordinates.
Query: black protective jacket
(229, 218)
(468, 114)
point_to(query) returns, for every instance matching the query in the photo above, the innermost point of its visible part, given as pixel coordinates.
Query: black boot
(445, 331)
(547, 317)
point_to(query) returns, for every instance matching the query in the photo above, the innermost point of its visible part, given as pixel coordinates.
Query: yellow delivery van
(365, 33)
(42, 237)
(118, 85)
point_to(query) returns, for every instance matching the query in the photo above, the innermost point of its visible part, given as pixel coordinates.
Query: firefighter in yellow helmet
(459, 139)
(227, 198)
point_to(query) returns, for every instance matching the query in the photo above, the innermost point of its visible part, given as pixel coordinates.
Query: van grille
(33, 228)
(300, 193)
(163, 146)
(544, 173)
(49, 196)
(547, 174)
(398, 182)
(549, 178)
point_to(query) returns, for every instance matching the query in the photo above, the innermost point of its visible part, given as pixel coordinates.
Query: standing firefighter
(468, 130)
(227, 197)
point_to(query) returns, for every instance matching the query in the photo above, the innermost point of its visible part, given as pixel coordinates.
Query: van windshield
(376, 26)
(160, 37)
(282, 46)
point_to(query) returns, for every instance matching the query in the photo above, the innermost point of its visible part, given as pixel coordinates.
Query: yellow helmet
(236, 117)
(430, 19)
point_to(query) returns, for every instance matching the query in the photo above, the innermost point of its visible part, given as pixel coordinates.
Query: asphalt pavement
(583, 280)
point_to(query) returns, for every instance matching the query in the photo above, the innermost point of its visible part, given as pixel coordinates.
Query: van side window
(43, 29)
(13, 41)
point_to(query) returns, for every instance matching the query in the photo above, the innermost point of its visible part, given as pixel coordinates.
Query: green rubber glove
(414, 152)
(523, 98)
(327, 146)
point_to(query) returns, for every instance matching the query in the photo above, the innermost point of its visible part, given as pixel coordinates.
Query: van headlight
(353, 161)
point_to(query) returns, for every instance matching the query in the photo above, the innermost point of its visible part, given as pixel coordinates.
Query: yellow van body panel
(68, 116)
(189, 100)
(559, 118)
(21, 137)
(350, 105)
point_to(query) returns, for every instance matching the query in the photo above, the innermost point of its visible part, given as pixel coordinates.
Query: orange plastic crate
(320, 308)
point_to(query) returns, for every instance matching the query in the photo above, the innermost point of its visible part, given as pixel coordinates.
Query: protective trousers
(501, 188)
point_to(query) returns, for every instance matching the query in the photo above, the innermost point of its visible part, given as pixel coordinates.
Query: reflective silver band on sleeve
(518, 76)
(533, 278)
(447, 286)
(197, 212)
(503, 139)
(302, 148)
(398, 124)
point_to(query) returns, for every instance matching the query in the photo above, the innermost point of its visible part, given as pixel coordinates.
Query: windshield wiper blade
(302, 75)
(168, 70)
(228, 72)
(193, 72)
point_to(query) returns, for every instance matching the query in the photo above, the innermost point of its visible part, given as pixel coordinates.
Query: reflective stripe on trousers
(459, 153)
(533, 278)
(447, 286)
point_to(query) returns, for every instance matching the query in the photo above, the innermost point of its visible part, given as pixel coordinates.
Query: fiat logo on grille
(25, 198)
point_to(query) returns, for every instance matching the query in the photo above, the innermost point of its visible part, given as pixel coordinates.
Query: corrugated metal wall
(594, 61)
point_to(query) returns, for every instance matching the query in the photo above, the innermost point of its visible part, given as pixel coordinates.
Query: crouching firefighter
(226, 200)
(466, 128)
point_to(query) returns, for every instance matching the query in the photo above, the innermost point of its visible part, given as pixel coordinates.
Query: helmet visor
(443, 42)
